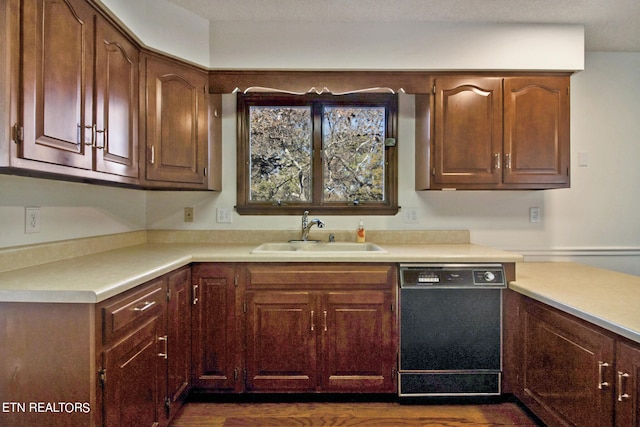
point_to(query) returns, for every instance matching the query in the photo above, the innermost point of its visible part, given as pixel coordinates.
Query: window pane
(280, 152)
(353, 143)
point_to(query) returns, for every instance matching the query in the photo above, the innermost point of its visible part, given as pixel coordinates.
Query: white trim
(579, 252)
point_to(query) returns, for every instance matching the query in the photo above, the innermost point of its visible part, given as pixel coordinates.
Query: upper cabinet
(79, 93)
(536, 131)
(177, 130)
(468, 131)
(88, 103)
(493, 133)
(116, 102)
(57, 83)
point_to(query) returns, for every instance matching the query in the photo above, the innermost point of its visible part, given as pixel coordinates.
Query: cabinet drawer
(321, 276)
(125, 311)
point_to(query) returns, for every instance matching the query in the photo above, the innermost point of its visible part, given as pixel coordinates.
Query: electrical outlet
(31, 220)
(188, 214)
(409, 215)
(583, 158)
(534, 214)
(223, 215)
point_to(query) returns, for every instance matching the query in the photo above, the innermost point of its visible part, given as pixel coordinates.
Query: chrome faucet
(306, 225)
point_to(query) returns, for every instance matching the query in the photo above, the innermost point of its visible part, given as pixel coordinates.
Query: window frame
(246, 207)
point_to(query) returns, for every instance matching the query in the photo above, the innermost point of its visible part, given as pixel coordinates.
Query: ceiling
(610, 25)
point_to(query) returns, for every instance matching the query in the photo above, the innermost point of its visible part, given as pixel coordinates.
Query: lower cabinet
(216, 351)
(357, 348)
(573, 373)
(294, 327)
(130, 377)
(281, 341)
(320, 328)
(178, 354)
(145, 359)
(627, 391)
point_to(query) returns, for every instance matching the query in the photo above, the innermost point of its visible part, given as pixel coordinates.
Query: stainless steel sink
(303, 247)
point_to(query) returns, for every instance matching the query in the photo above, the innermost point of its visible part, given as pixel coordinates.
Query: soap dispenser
(360, 233)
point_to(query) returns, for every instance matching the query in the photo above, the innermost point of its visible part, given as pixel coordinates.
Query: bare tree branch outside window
(353, 142)
(281, 147)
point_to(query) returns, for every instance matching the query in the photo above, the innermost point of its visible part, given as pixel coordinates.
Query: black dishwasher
(450, 329)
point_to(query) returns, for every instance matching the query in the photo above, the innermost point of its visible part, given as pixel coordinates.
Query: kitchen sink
(302, 246)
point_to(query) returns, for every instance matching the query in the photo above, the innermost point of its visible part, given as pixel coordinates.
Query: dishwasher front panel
(450, 342)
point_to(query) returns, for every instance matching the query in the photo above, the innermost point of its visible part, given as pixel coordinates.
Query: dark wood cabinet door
(568, 368)
(178, 338)
(116, 95)
(627, 393)
(467, 146)
(57, 82)
(132, 372)
(176, 125)
(281, 341)
(357, 341)
(216, 347)
(536, 130)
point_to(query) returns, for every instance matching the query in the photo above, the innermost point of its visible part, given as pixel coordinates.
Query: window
(325, 153)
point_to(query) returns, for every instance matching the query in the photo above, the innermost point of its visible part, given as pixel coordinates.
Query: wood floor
(360, 414)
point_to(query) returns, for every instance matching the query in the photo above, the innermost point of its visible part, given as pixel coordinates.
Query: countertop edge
(153, 260)
(577, 312)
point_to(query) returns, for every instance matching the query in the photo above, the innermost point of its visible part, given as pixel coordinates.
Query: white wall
(67, 210)
(164, 26)
(396, 46)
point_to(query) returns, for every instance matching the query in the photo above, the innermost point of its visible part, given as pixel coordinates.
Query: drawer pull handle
(312, 321)
(622, 376)
(164, 355)
(602, 384)
(147, 305)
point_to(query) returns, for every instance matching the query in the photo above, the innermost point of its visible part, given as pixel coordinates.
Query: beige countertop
(606, 298)
(94, 278)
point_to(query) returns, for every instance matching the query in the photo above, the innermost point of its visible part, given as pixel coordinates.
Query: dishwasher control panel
(458, 275)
